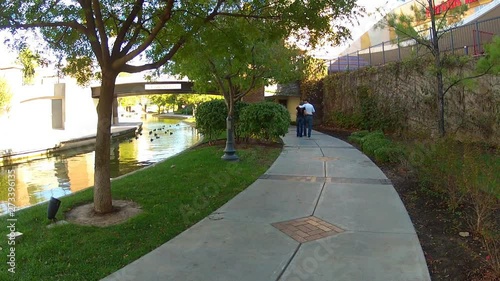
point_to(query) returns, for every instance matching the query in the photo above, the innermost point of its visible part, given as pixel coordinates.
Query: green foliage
(211, 118)
(406, 28)
(163, 100)
(243, 55)
(4, 185)
(346, 121)
(135, 36)
(360, 134)
(373, 135)
(491, 61)
(371, 144)
(129, 101)
(239, 107)
(357, 137)
(388, 154)
(30, 61)
(460, 173)
(376, 145)
(5, 95)
(264, 121)
(374, 114)
(81, 68)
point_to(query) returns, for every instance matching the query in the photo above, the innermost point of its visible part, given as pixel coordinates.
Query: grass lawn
(174, 195)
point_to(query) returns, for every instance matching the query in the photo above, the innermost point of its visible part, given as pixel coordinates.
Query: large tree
(237, 56)
(136, 35)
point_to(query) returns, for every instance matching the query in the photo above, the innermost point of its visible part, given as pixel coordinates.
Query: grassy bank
(174, 195)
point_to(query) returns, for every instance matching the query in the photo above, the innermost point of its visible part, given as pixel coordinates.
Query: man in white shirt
(309, 110)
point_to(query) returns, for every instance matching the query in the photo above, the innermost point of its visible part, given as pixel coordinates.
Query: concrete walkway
(323, 211)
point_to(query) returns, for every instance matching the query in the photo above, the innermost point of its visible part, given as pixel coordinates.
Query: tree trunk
(102, 182)
(439, 69)
(229, 150)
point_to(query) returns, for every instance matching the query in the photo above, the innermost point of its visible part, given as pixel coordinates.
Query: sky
(7, 58)
(365, 24)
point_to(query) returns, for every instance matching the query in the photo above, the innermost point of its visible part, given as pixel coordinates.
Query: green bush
(211, 118)
(264, 121)
(238, 108)
(373, 135)
(389, 154)
(356, 140)
(375, 144)
(360, 134)
(357, 137)
(372, 144)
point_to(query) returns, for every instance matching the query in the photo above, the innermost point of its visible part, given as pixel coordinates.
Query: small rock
(464, 234)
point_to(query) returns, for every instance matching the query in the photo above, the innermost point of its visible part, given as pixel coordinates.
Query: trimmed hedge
(264, 121)
(376, 145)
(211, 118)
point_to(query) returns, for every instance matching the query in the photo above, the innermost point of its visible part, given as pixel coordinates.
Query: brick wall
(254, 96)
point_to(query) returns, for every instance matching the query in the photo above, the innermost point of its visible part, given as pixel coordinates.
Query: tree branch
(486, 71)
(101, 29)
(248, 16)
(173, 50)
(72, 24)
(216, 77)
(126, 25)
(135, 69)
(164, 17)
(91, 30)
(134, 36)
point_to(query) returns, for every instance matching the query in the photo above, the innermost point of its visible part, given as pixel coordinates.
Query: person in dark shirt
(301, 129)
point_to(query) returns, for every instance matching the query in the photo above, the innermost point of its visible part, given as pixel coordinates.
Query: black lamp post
(229, 151)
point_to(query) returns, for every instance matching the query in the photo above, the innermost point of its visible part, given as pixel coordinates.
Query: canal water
(73, 170)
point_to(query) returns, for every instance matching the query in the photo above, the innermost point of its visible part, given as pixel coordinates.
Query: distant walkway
(323, 211)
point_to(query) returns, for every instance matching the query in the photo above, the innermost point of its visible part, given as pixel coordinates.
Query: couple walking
(304, 118)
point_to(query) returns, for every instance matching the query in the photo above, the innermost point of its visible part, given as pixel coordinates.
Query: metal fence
(466, 39)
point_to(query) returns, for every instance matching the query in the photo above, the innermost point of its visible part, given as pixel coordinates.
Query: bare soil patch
(85, 214)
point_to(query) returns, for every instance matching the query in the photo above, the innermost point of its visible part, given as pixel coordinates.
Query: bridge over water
(149, 88)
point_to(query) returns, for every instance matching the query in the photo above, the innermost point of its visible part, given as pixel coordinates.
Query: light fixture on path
(54, 204)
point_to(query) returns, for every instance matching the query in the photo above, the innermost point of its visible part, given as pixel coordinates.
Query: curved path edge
(322, 211)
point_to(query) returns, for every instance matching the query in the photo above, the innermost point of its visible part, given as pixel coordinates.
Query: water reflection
(73, 170)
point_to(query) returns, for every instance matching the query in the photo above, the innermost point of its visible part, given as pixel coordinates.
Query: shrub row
(265, 121)
(376, 145)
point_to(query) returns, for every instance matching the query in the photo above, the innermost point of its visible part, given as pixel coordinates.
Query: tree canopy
(136, 35)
